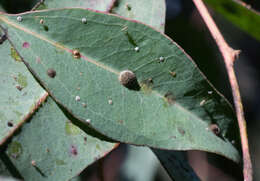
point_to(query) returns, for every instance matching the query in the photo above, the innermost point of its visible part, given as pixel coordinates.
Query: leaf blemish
(14, 149)
(15, 55)
(84, 20)
(137, 49)
(169, 98)
(84, 104)
(41, 21)
(173, 74)
(202, 102)
(128, 79)
(46, 28)
(51, 73)
(19, 18)
(76, 54)
(10, 124)
(215, 129)
(128, 7)
(26, 45)
(33, 162)
(19, 87)
(181, 131)
(73, 150)
(77, 98)
(161, 59)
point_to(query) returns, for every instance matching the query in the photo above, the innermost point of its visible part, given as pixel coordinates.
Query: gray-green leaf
(171, 107)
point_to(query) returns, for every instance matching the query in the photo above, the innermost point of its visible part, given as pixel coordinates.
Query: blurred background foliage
(185, 26)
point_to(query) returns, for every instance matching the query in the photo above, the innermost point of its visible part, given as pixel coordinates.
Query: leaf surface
(151, 12)
(19, 91)
(239, 15)
(173, 104)
(101, 5)
(51, 147)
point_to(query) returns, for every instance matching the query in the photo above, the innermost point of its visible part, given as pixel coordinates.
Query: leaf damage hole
(51, 73)
(128, 79)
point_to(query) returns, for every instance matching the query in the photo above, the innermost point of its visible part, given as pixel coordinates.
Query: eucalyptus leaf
(19, 91)
(50, 147)
(170, 104)
(239, 15)
(151, 12)
(101, 5)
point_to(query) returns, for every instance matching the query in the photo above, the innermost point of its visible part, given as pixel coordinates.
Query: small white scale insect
(19, 18)
(77, 98)
(84, 20)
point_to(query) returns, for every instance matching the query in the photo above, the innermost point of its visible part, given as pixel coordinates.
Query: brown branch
(229, 56)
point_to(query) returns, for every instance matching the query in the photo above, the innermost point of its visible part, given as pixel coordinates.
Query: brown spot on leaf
(19, 87)
(76, 54)
(181, 131)
(173, 74)
(51, 73)
(33, 162)
(10, 124)
(215, 129)
(128, 79)
(26, 45)
(120, 121)
(73, 150)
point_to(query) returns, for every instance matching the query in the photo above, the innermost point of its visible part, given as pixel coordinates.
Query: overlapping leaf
(19, 91)
(101, 5)
(51, 147)
(174, 106)
(150, 12)
(240, 16)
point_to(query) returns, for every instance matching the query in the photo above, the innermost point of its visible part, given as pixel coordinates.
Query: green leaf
(51, 147)
(151, 12)
(3, 170)
(101, 5)
(19, 91)
(173, 105)
(240, 16)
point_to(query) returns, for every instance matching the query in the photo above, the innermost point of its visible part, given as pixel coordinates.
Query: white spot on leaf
(84, 20)
(77, 98)
(19, 18)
